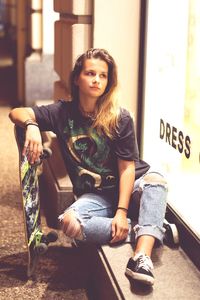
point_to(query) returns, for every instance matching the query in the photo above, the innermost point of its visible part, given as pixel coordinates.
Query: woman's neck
(87, 105)
(88, 109)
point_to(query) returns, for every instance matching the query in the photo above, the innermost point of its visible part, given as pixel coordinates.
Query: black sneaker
(139, 268)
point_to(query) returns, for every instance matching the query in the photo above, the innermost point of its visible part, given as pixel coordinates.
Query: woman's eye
(90, 73)
(103, 75)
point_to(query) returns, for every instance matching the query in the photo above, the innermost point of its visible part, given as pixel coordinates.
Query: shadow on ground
(62, 273)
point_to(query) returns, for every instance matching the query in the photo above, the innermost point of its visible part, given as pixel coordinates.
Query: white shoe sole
(140, 277)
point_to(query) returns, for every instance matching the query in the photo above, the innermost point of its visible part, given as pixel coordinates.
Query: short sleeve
(49, 117)
(125, 145)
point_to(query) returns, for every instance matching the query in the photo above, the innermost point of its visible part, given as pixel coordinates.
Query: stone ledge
(56, 187)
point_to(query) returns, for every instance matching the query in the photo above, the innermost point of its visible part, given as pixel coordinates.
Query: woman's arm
(33, 141)
(126, 184)
(21, 114)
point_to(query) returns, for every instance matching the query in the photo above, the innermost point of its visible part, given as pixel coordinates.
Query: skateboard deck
(37, 242)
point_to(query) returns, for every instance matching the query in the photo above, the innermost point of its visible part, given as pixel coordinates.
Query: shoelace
(145, 262)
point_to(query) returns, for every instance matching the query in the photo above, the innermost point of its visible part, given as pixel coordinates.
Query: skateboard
(37, 242)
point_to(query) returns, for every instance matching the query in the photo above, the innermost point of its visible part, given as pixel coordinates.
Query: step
(176, 277)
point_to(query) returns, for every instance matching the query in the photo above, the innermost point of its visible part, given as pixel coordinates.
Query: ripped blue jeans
(147, 205)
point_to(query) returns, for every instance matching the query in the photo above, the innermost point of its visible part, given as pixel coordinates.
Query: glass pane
(171, 133)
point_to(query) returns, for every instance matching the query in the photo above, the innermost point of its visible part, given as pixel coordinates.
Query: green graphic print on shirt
(90, 155)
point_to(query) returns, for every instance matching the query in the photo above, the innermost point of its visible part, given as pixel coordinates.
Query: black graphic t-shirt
(90, 157)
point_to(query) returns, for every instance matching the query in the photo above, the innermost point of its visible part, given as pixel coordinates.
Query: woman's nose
(96, 79)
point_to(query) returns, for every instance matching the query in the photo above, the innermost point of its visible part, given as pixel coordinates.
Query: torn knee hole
(71, 225)
(154, 178)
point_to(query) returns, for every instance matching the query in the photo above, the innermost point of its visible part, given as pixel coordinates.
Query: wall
(39, 66)
(113, 25)
(116, 28)
(73, 36)
(49, 17)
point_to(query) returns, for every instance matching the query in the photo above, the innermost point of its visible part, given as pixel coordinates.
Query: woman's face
(93, 78)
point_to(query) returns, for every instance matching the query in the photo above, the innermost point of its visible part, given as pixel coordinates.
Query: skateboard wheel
(41, 248)
(46, 153)
(52, 236)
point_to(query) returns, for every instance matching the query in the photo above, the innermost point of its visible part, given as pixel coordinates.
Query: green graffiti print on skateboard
(37, 242)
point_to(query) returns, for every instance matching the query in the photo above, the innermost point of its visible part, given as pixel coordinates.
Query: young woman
(100, 150)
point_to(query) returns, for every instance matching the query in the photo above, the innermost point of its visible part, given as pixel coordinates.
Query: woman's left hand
(119, 227)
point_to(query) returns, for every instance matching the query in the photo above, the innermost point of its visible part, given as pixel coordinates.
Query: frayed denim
(96, 211)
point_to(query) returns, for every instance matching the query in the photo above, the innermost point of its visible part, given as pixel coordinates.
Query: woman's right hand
(33, 144)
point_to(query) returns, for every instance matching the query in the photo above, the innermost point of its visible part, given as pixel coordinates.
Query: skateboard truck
(45, 155)
(42, 241)
(39, 246)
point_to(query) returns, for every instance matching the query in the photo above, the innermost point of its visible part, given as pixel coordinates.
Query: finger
(33, 158)
(115, 239)
(113, 229)
(35, 154)
(119, 236)
(29, 151)
(25, 148)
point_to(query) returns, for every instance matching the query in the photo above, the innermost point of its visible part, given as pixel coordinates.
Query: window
(171, 132)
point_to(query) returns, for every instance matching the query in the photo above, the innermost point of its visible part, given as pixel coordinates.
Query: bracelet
(30, 122)
(122, 208)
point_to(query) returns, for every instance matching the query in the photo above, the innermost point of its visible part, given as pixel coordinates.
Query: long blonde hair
(107, 105)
